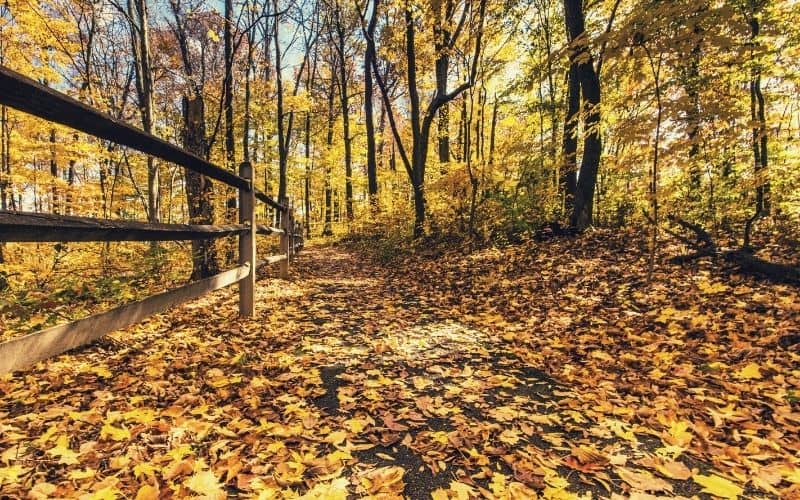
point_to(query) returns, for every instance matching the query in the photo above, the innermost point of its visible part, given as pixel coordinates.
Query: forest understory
(548, 369)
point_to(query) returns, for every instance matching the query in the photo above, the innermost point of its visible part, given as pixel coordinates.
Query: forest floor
(547, 369)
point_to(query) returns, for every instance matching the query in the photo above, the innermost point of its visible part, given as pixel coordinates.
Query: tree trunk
(344, 99)
(54, 207)
(5, 164)
(492, 131)
(198, 188)
(441, 34)
(282, 149)
(759, 120)
(327, 229)
(581, 57)
(369, 56)
(694, 117)
(569, 168)
(140, 41)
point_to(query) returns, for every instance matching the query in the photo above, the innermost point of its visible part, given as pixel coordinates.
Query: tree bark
(198, 188)
(569, 152)
(54, 204)
(581, 57)
(369, 57)
(759, 120)
(344, 99)
(283, 153)
(327, 229)
(140, 41)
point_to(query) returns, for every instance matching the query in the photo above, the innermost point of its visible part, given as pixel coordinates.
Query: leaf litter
(545, 371)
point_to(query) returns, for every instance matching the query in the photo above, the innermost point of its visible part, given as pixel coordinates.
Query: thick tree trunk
(569, 153)
(581, 57)
(198, 188)
(442, 35)
(592, 148)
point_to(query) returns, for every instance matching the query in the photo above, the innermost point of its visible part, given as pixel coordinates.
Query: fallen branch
(704, 246)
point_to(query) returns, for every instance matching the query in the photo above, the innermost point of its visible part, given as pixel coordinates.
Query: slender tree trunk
(282, 149)
(310, 74)
(327, 228)
(493, 131)
(70, 187)
(5, 164)
(140, 40)
(759, 120)
(345, 104)
(54, 205)
(694, 117)
(656, 70)
(227, 90)
(369, 56)
(247, 96)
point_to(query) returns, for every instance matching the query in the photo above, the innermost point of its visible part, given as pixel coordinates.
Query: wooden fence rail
(24, 94)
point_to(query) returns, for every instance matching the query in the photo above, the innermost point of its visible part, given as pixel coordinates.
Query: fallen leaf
(718, 486)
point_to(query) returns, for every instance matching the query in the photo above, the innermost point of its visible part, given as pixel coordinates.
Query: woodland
(551, 249)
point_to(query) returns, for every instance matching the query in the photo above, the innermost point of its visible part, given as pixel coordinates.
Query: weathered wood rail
(24, 94)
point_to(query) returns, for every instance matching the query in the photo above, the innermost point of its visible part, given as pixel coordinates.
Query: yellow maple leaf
(144, 469)
(679, 434)
(792, 475)
(115, 433)
(101, 371)
(621, 429)
(356, 425)
(334, 490)
(11, 474)
(718, 486)
(42, 490)
(147, 492)
(206, 483)
(107, 493)
(420, 383)
(336, 437)
(78, 474)
(439, 494)
(61, 450)
(750, 372)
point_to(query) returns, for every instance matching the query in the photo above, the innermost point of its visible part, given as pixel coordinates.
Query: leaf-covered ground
(547, 370)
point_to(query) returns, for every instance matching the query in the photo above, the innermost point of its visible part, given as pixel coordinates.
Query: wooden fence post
(247, 242)
(285, 239)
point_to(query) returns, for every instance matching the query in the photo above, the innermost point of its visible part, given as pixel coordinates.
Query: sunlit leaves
(63, 452)
(718, 486)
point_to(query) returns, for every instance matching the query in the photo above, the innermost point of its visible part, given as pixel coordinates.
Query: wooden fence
(24, 94)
